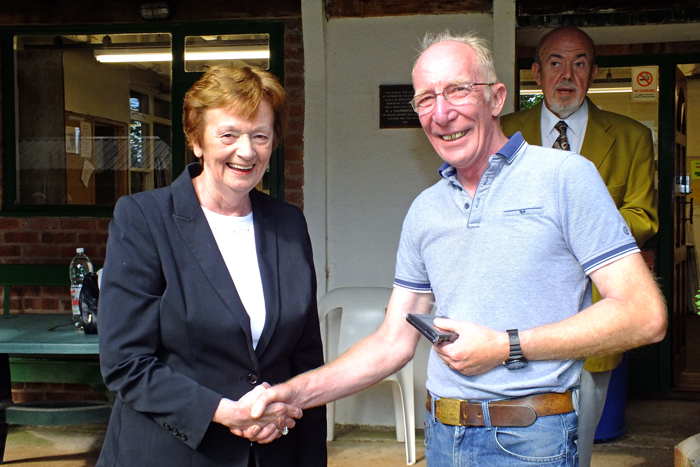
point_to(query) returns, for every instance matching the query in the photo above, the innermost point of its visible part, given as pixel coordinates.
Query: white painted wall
(359, 179)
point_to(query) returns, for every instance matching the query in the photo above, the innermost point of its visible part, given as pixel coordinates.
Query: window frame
(181, 82)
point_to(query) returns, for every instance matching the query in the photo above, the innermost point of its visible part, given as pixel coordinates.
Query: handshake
(260, 415)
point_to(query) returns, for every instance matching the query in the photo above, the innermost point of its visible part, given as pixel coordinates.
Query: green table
(44, 334)
(48, 338)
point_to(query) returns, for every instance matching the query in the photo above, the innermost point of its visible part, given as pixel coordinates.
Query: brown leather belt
(522, 411)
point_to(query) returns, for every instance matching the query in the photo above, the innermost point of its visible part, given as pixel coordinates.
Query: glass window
(94, 110)
(150, 139)
(236, 50)
(87, 106)
(161, 108)
(138, 102)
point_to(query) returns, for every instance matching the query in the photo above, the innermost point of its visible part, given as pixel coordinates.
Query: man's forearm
(366, 364)
(632, 313)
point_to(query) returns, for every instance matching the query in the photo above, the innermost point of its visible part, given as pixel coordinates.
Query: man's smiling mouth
(453, 136)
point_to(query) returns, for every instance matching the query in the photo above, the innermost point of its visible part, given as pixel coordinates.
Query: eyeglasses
(455, 94)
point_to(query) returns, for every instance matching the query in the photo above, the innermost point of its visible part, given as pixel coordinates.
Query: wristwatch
(515, 360)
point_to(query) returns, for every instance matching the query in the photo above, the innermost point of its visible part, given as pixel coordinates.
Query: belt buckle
(450, 411)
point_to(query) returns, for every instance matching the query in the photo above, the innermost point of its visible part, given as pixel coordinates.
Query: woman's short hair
(238, 89)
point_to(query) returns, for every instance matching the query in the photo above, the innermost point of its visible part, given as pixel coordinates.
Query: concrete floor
(654, 428)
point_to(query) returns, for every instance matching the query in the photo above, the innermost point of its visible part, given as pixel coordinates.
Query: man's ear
(499, 93)
(536, 72)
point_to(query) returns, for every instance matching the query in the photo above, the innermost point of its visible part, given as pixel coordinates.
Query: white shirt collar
(576, 123)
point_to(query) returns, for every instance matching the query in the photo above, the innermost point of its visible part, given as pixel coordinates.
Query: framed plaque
(395, 109)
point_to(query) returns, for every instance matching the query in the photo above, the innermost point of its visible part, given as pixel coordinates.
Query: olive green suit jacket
(622, 150)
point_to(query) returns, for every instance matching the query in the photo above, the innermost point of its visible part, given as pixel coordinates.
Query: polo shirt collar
(508, 151)
(512, 147)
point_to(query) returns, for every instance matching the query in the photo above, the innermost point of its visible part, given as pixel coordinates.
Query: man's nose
(442, 109)
(568, 72)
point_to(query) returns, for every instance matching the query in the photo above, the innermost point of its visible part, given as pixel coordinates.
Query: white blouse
(235, 237)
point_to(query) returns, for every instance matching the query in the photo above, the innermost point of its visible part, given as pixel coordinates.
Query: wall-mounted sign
(395, 109)
(645, 81)
(695, 169)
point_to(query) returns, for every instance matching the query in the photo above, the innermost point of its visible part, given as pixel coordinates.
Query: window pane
(137, 137)
(138, 102)
(78, 97)
(161, 108)
(236, 50)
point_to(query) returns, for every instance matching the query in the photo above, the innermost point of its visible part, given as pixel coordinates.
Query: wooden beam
(371, 8)
(59, 12)
(538, 7)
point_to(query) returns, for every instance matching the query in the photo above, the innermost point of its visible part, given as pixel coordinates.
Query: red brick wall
(42, 240)
(294, 86)
(49, 392)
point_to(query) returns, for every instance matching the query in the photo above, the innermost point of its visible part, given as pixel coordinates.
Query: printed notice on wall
(88, 169)
(694, 169)
(86, 140)
(395, 109)
(72, 140)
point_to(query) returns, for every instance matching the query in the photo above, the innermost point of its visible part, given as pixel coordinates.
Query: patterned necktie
(562, 141)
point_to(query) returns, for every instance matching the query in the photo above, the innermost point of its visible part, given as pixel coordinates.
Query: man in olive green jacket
(621, 149)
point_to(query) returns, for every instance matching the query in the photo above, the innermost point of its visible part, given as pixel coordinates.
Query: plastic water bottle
(80, 265)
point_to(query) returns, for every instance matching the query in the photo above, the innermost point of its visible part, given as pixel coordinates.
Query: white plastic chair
(362, 311)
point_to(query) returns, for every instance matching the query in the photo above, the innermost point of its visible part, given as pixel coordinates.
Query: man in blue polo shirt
(504, 245)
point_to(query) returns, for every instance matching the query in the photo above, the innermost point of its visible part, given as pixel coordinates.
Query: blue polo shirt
(517, 255)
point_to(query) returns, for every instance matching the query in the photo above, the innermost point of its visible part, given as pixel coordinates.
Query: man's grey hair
(486, 72)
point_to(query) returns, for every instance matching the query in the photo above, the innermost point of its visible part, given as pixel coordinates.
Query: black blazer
(175, 338)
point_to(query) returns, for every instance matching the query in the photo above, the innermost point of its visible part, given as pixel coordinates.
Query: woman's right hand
(235, 415)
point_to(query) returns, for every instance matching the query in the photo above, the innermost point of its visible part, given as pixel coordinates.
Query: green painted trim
(51, 370)
(605, 61)
(7, 68)
(6, 300)
(34, 274)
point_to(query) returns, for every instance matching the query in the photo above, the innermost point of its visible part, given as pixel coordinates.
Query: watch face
(515, 364)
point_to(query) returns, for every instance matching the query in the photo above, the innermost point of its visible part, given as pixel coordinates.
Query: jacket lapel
(196, 233)
(597, 142)
(530, 121)
(266, 246)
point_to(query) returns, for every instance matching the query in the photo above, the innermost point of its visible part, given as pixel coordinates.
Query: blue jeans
(550, 441)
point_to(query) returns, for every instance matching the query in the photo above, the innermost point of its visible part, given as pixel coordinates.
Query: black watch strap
(515, 350)
(516, 360)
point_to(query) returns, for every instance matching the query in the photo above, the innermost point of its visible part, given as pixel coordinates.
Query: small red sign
(645, 79)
